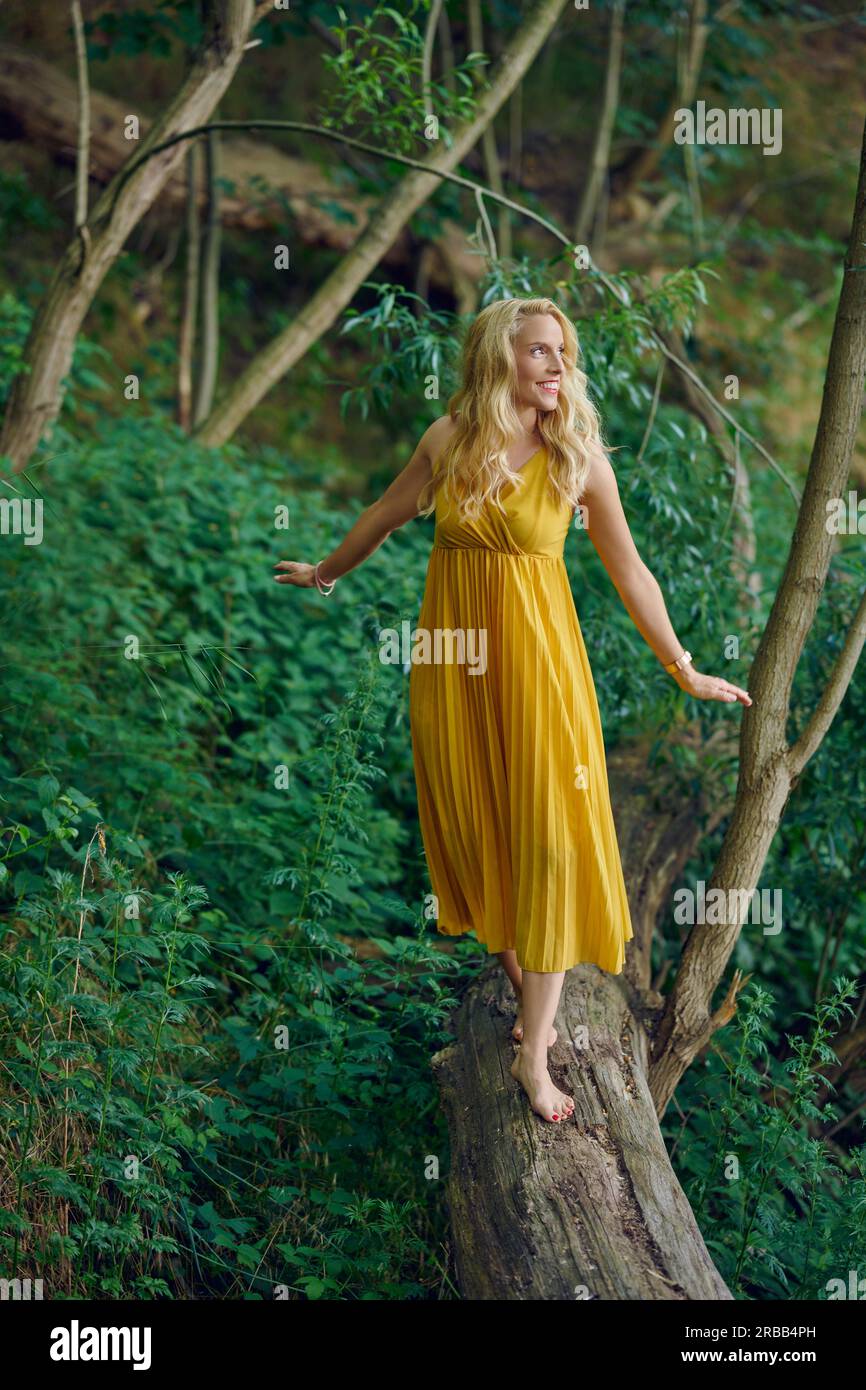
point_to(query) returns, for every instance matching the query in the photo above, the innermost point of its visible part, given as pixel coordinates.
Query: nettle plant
(100, 982)
(198, 1106)
(781, 1207)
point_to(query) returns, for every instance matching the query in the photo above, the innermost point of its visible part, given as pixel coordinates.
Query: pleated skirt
(513, 798)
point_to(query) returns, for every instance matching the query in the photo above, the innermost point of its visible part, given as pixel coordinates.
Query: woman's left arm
(638, 588)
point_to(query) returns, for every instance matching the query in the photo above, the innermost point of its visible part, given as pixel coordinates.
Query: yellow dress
(513, 797)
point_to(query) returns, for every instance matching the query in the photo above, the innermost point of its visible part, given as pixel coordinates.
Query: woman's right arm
(397, 505)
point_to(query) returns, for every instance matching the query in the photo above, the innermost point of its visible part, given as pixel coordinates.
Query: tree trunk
(210, 283)
(189, 315)
(595, 183)
(317, 316)
(769, 766)
(37, 391)
(641, 167)
(492, 165)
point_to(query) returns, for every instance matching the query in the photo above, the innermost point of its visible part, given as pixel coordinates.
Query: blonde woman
(510, 771)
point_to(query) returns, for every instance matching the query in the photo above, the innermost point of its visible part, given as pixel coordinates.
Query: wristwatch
(672, 666)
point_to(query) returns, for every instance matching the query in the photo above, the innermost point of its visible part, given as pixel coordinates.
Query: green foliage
(216, 972)
(152, 30)
(19, 205)
(414, 344)
(16, 318)
(782, 1209)
(378, 83)
(219, 993)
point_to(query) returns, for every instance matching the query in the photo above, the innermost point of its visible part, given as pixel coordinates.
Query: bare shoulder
(436, 436)
(601, 477)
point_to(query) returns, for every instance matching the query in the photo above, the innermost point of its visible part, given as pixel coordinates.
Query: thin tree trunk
(37, 391)
(427, 62)
(210, 284)
(515, 136)
(645, 163)
(696, 41)
(446, 47)
(492, 166)
(317, 316)
(189, 318)
(769, 766)
(83, 160)
(600, 162)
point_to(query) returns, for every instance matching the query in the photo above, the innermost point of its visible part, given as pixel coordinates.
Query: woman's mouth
(551, 387)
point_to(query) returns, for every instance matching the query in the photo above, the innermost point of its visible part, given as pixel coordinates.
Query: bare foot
(517, 1030)
(545, 1099)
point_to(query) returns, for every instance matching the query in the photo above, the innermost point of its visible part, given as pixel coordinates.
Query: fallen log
(259, 181)
(590, 1208)
(41, 102)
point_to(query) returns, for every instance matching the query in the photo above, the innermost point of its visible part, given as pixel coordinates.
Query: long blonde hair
(473, 466)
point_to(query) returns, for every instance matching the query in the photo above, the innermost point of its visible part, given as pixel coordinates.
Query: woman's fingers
(725, 691)
(714, 688)
(295, 573)
(290, 576)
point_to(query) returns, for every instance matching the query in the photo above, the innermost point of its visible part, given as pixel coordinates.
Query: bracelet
(324, 586)
(673, 666)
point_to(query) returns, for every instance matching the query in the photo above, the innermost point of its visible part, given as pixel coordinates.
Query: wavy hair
(473, 467)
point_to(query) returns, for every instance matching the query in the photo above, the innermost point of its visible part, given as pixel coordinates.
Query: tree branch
(832, 694)
(480, 190)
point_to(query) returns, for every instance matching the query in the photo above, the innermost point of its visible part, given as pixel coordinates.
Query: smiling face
(538, 352)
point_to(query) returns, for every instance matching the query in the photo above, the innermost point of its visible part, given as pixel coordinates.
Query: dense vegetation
(219, 991)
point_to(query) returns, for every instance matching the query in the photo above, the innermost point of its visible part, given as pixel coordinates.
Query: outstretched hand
(296, 573)
(710, 687)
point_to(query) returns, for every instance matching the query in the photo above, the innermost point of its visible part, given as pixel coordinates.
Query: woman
(513, 796)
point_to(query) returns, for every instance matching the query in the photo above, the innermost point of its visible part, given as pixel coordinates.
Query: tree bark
(37, 391)
(210, 283)
(406, 197)
(189, 314)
